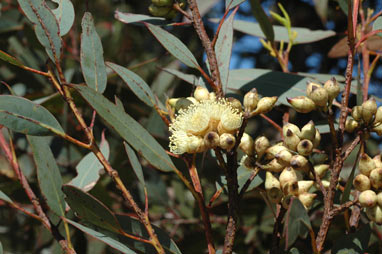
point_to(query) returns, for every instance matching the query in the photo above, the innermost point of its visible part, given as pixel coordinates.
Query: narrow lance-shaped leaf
(92, 62)
(263, 20)
(90, 209)
(131, 18)
(4, 197)
(46, 26)
(377, 25)
(173, 45)
(129, 129)
(48, 174)
(136, 83)
(232, 3)
(88, 168)
(10, 59)
(64, 14)
(22, 115)
(135, 163)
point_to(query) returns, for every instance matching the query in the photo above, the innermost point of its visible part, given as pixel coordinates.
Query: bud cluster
(165, 8)
(369, 183)
(252, 104)
(368, 115)
(318, 96)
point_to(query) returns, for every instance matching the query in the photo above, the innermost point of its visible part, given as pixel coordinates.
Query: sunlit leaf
(264, 23)
(64, 14)
(377, 25)
(233, 3)
(131, 18)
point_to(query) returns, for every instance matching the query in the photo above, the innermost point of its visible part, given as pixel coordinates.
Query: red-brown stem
(273, 123)
(276, 230)
(220, 25)
(215, 196)
(206, 42)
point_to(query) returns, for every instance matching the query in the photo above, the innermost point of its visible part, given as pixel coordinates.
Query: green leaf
(22, 115)
(10, 59)
(233, 3)
(4, 197)
(131, 18)
(129, 129)
(322, 77)
(64, 14)
(48, 174)
(174, 46)
(353, 243)
(297, 222)
(88, 168)
(243, 174)
(304, 35)
(262, 18)
(135, 83)
(324, 127)
(103, 237)
(189, 78)
(134, 227)
(223, 48)
(343, 5)
(92, 63)
(135, 163)
(377, 25)
(90, 209)
(1, 248)
(46, 26)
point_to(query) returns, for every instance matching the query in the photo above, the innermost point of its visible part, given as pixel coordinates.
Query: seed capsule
(265, 105)
(273, 188)
(366, 164)
(305, 147)
(378, 115)
(196, 145)
(311, 86)
(227, 141)
(283, 157)
(302, 104)
(304, 186)
(319, 95)
(351, 125)
(291, 140)
(361, 183)
(374, 214)
(369, 108)
(333, 89)
(292, 127)
(376, 178)
(379, 199)
(211, 140)
(261, 145)
(273, 166)
(299, 162)
(249, 162)
(308, 131)
(250, 100)
(307, 199)
(247, 144)
(317, 139)
(367, 198)
(212, 96)
(290, 188)
(356, 113)
(378, 161)
(288, 175)
(321, 169)
(201, 93)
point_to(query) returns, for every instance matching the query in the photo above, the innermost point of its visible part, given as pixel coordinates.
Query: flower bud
(250, 100)
(311, 86)
(305, 147)
(271, 152)
(369, 108)
(379, 199)
(211, 140)
(319, 158)
(273, 188)
(162, 2)
(378, 161)
(288, 175)
(201, 93)
(308, 131)
(376, 178)
(356, 113)
(179, 103)
(261, 145)
(229, 123)
(299, 162)
(273, 166)
(235, 103)
(246, 144)
(248, 162)
(283, 157)
(290, 188)
(302, 104)
(212, 96)
(366, 164)
(227, 141)
(307, 199)
(304, 186)
(378, 115)
(195, 145)
(361, 183)
(317, 139)
(192, 99)
(374, 214)
(265, 105)
(325, 183)
(292, 127)
(321, 170)
(333, 89)
(367, 198)
(274, 195)
(159, 11)
(351, 125)
(291, 140)
(319, 95)
(378, 129)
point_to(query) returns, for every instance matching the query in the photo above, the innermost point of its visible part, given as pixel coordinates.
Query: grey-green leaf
(353, 243)
(103, 237)
(189, 78)
(22, 115)
(64, 14)
(232, 3)
(46, 26)
(92, 62)
(377, 25)
(129, 129)
(90, 209)
(174, 46)
(5, 197)
(135, 83)
(10, 59)
(88, 168)
(48, 174)
(262, 18)
(131, 18)
(135, 163)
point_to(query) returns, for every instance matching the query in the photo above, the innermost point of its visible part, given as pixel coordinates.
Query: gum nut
(367, 198)
(378, 129)
(319, 96)
(378, 161)
(159, 11)
(333, 88)
(369, 108)
(261, 145)
(285, 201)
(299, 162)
(304, 186)
(378, 115)
(351, 125)
(292, 127)
(375, 214)
(356, 113)
(201, 93)
(366, 164)
(274, 195)
(317, 139)
(250, 100)
(249, 162)
(162, 2)
(271, 181)
(321, 169)
(247, 144)
(376, 178)
(271, 152)
(319, 158)
(325, 183)
(379, 199)
(307, 199)
(283, 157)
(302, 104)
(290, 188)
(182, 103)
(211, 140)
(311, 86)
(305, 147)
(195, 145)
(361, 183)
(273, 166)
(288, 175)
(308, 131)
(227, 141)
(265, 105)
(291, 140)
(235, 103)
(212, 96)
